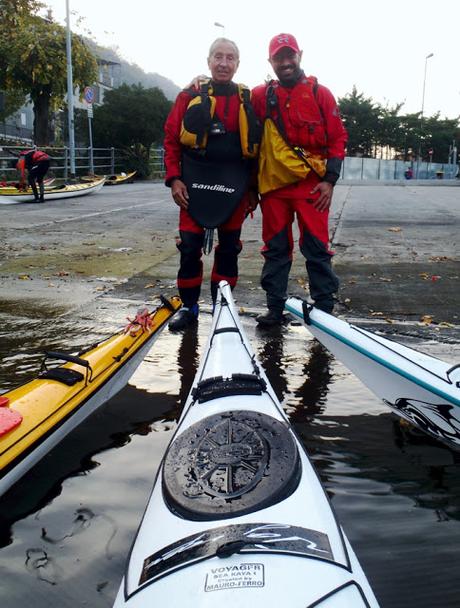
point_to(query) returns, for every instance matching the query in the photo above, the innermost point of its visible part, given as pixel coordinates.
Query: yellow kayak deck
(119, 178)
(44, 403)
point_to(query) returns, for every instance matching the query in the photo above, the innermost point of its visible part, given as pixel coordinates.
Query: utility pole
(71, 122)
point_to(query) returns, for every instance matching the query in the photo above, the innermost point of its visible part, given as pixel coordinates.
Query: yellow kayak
(119, 178)
(36, 416)
(11, 195)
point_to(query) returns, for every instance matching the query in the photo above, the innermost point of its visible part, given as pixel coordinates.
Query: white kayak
(12, 196)
(422, 389)
(237, 515)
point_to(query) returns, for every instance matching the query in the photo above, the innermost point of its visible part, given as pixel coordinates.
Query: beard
(290, 79)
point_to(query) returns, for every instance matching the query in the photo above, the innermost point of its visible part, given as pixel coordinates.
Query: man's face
(286, 65)
(223, 62)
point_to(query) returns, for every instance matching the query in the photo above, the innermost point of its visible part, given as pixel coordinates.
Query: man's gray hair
(223, 41)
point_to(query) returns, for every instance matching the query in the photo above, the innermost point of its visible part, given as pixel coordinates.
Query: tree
(33, 60)
(360, 116)
(131, 118)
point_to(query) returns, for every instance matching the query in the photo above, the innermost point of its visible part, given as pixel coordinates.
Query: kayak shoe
(270, 318)
(186, 317)
(326, 305)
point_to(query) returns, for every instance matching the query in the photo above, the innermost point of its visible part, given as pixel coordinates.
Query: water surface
(67, 526)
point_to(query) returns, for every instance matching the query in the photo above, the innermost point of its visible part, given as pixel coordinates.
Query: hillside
(130, 73)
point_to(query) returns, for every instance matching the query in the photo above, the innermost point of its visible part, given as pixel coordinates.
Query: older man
(302, 149)
(210, 136)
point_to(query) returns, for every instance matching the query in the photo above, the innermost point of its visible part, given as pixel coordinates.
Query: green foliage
(33, 60)
(131, 118)
(361, 116)
(13, 101)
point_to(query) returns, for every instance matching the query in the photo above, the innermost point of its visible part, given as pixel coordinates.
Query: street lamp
(70, 113)
(423, 107)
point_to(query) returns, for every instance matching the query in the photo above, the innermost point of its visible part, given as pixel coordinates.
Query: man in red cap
(302, 149)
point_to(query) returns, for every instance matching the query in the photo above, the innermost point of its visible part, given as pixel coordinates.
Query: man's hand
(179, 193)
(323, 202)
(196, 82)
(253, 201)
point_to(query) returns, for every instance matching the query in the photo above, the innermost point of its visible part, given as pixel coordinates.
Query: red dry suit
(190, 274)
(309, 117)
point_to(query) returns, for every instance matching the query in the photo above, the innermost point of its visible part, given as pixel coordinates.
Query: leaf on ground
(390, 321)
(375, 313)
(424, 275)
(24, 277)
(385, 279)
(395, 229)
(446, 324)
(149, 285)
(435, 277)
(440, 258)
(426, 320)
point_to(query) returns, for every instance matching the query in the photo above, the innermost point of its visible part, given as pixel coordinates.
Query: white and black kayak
(422, 389)
(237, 515)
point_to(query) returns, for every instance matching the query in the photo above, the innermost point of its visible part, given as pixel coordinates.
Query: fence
(112, 160)
(105, 161)
(379, 169)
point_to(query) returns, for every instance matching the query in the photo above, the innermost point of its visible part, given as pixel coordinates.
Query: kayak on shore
(11, 195)
(422, 389)
(35, 416)
(237, 515)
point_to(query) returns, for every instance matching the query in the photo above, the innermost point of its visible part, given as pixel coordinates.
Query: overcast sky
(381, 47)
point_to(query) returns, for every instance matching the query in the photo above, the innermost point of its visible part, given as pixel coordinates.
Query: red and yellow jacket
(310, 117)
(227, 108)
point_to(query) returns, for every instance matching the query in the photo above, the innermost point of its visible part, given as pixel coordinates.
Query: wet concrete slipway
(70, 274)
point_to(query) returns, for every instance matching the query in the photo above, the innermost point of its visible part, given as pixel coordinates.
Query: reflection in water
(187, 364)
(312, 394)
(112, 426)
(271, 356)
(396, 491)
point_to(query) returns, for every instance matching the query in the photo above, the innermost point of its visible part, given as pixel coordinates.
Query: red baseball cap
(280, 41)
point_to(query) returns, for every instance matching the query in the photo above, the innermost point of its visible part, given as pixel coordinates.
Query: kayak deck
(13, 195)
(237, 506)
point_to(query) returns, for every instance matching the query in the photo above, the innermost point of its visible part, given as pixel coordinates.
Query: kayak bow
(237, 507)
(36, 416)
(422, 389)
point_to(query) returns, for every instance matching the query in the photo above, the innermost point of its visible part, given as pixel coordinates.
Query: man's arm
(172, 145)
(336, 134)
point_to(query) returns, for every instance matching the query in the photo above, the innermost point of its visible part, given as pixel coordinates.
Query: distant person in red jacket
(301, 154)
(36, 163)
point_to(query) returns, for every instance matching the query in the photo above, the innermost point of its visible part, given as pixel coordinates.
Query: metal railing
(112, 160)
(105, 160)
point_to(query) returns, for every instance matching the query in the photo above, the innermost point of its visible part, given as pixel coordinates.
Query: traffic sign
(88, 94)
(89, 109)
